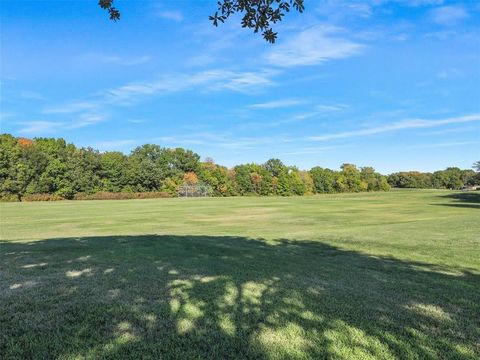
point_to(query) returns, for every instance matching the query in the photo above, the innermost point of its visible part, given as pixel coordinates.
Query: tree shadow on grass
(205, 297)
(463, 199)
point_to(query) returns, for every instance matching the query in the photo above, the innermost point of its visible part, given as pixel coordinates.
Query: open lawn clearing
(368, 276)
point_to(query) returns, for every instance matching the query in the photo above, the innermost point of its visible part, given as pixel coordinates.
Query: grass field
(354, 276)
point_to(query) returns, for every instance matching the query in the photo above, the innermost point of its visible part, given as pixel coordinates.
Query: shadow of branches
(463, 199)
(204, 297)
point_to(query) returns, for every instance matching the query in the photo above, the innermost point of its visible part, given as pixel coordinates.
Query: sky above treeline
(391, 84)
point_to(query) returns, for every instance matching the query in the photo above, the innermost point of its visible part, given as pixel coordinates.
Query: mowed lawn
(352, 276)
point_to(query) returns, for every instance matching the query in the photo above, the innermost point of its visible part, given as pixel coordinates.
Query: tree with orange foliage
(190, 178)
(24, 142)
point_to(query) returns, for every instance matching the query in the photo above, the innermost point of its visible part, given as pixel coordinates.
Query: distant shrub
(8, 198)
(42, 197)
(66, 192)
(121, 195)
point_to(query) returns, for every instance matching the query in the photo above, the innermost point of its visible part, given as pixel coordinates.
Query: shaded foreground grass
(334, 294)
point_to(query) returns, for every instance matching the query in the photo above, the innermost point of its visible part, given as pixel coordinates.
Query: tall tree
(323, 180)
(476, 166)
(275, 167)
(114, 171)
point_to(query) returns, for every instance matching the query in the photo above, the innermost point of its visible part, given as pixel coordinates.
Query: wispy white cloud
(96, 107)
(211, 80)
(110, 145)
(222, 140)
(87, 119)
(397, 126)
(246, 82)
(72, 107)
(182, 140)
(137, 121)
(275, 104)
(114, 59)
(444, 144)
(335, 9)
(31, 95)
(93, 109)
(5, 115)
(173, 15)
(135, 61)
(341, 9)
(39, 127)
(313, 46)
(412, 3)
(464, 129)
(323, 108)
(202, 59)
(316, 111)
(311, 150)
(449, 73)
(213, 47)
(449, 15)
(419, 2)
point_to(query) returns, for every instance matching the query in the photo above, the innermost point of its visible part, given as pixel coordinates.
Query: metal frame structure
(194, 191)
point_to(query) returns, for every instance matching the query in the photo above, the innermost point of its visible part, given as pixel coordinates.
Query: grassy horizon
(391, 275)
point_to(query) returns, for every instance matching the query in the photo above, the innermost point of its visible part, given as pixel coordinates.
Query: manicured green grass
(354, 276)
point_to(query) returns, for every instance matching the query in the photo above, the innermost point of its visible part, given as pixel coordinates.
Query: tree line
(452, 178)
(53, 166)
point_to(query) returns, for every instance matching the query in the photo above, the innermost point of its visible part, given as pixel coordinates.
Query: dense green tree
(373, 181)
(411, 179)
(9, 156)
(309, 187)
(145, 168)
(83, 171)
(176, 162)
(171, 186)
(476, 166)
(275, 167)
(24, 163)
(217, 178)
(114, 171)
(469, 177)
(286, 181)
(252, 179)
(476, 179)
(283, 187)
(297, 186)
(323, 180)
(352, 180)
(54, 179)
(243, 184)
(450, 178)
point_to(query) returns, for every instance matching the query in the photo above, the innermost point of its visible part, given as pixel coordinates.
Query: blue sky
(391, 84)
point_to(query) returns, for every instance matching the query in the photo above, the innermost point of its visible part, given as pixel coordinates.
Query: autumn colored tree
(256, 180)
(190, 178)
